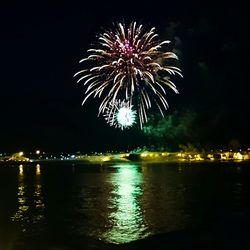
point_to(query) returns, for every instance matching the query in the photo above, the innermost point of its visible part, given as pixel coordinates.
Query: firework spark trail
(129, 64)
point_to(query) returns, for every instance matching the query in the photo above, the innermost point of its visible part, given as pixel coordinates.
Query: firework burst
(129, 63)
(120, 114)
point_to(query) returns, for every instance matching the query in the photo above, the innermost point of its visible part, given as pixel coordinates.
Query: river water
(53, 206)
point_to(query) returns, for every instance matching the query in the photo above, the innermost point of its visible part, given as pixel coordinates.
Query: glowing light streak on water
(29, 214)
(127, 219)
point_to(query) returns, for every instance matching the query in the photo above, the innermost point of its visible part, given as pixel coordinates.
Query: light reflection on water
(127, 222)
(117, 203)
(30, 210)
(20, 214)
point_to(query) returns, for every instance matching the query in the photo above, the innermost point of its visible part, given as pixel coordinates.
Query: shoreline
(79, 162)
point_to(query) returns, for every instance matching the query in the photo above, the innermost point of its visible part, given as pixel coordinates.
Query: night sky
(41, 45)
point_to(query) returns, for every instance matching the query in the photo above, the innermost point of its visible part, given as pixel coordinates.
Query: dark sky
(41, 45)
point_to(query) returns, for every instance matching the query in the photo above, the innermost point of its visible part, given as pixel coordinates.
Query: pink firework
(129, 63)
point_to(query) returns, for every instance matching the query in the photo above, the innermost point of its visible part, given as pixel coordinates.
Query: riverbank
(115, 161)
(141, 157)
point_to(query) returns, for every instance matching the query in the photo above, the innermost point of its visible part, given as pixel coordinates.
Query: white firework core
(120, 114)
(125, 117)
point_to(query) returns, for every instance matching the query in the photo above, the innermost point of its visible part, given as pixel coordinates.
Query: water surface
(60, 204)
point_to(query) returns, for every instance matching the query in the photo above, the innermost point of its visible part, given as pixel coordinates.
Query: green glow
(127, 219)
(126, 116)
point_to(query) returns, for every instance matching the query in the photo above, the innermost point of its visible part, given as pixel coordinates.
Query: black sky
(41, 44)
